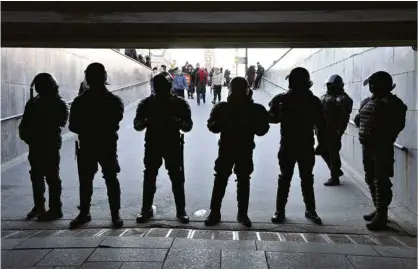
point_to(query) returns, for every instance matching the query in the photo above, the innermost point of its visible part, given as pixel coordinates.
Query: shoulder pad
(364, 101)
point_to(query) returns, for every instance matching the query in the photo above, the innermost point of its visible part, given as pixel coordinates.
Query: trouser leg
(306, 162)
(287, 165)
(38, 182)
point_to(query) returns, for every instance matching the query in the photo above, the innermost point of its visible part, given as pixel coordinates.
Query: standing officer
(238, 120)
(299, 111)
(95, 117)
(380, 120)
(43, 118)
(337, 109)
(163, 115)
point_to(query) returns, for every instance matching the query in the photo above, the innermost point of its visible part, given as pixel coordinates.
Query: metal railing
(396, 145)
(18, 116)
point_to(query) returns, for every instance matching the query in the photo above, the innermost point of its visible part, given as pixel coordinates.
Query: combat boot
(213, 218)
(180, 200)
(279, 216)
(145, 215)
(116, 219)
(379, 221)
(82, 218)
(333, 181)
(313, 216)
(370, 216)
(51, 215)
(37, 210)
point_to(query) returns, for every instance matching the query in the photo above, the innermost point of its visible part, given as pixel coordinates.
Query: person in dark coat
(131, 53)
(95, 117)
(337, 109)
(380, 119)
(260, 73)
(44, 117)
(251, 76)
(299, 112)
(238, 120)
(163, 115)
(148, 61)
(200, 81)
(141, 59)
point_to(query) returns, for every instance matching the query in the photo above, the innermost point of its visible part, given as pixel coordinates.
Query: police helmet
(300, 76)
(335, 80)
(239, 86)
(380, 79)
(162, 83)
(44, 82)
(96, 74)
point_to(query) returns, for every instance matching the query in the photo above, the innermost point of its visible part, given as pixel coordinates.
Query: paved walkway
(174, 248)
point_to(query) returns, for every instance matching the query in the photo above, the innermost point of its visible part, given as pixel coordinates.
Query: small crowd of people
(195, 80)
(254, 76)
(131, 53)
(95, 116)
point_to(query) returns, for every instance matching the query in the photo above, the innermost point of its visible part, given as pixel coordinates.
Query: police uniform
(299, 112)
(337, 109)
(43, 118)
(380, 120)
(237, 122)
(163, 115)
(95, 117)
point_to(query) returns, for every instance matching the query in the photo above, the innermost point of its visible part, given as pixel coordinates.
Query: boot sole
(75, 226)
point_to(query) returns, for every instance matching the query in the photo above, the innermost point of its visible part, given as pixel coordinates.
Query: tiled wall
(20, 65)
(355, 65)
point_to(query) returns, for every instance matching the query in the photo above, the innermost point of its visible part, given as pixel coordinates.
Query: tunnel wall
(355, 65)
(128, 78)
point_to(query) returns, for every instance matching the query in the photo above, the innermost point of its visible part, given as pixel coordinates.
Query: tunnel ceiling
(227, 24)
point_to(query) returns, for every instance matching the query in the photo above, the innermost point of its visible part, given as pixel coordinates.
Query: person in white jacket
(217, 85)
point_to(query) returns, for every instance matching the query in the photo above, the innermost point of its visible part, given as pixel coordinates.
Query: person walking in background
(180, 83)
(260, 73)
(153, 74)
(148, 61)
(201, 80)
(190, 78)
(217, 85)
(251, 76)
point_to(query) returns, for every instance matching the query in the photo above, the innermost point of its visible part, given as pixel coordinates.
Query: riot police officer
(95, 116)
(43, 118)
(380, 120)
(337, 109)
(163, 115)
(298, 111)
(237, 120)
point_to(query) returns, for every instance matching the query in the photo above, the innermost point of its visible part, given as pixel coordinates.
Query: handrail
(402, 148)
(274, 83)
(278, 60)
(70, 102)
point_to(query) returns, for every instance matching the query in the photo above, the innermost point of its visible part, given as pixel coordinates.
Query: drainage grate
(399, 241)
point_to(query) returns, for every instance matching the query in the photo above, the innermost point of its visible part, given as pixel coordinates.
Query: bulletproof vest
(335, 109)
(160, 114)
(298, 119)
(368, 120)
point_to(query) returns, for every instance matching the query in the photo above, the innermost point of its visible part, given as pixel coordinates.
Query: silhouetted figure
(237, 120)
(131, 53)
(148, 61)
(163, 115)
(191, 89)
(141, 59)
(337, 109)
(201, 79)
(298, 111)
(227, 76)
(95, 117)
(43, 118)
(260, 73)
(380, 120)
(251, 76)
